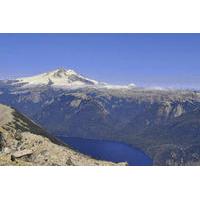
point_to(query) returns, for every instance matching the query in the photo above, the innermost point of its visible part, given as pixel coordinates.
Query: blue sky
(169, 60)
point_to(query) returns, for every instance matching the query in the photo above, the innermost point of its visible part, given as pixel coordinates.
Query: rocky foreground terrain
(22, 142)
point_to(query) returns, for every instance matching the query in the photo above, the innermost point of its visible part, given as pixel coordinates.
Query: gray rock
(19, 154)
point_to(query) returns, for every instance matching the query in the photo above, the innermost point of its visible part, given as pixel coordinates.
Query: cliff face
(22, 142)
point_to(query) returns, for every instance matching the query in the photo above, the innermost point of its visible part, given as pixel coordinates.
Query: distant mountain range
(163, 123)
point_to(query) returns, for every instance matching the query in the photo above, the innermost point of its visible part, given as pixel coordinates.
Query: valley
(163, 123)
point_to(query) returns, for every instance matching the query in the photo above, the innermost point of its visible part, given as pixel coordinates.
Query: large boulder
(20, 154)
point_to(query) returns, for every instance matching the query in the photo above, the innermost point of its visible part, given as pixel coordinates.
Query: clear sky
(170, 60)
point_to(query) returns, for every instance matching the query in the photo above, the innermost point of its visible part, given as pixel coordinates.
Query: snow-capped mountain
(58, 78)
(63, 78)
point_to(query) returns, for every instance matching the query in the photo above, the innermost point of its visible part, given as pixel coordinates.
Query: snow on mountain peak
(62, 72)
(66, 78)
(58, 78)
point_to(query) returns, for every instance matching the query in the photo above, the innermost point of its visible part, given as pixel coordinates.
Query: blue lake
(109, 151)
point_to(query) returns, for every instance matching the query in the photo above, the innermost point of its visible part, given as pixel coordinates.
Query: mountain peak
(62, 72)
(66, 78)
(60, 77)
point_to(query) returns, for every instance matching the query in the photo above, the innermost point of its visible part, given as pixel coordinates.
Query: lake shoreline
(108, 150)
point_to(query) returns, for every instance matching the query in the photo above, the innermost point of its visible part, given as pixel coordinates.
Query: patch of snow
(156, 88)
(130, 86)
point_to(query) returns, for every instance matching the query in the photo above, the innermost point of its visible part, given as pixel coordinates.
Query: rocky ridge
(22, 142)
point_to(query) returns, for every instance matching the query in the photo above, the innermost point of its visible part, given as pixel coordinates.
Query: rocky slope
(24, 143)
